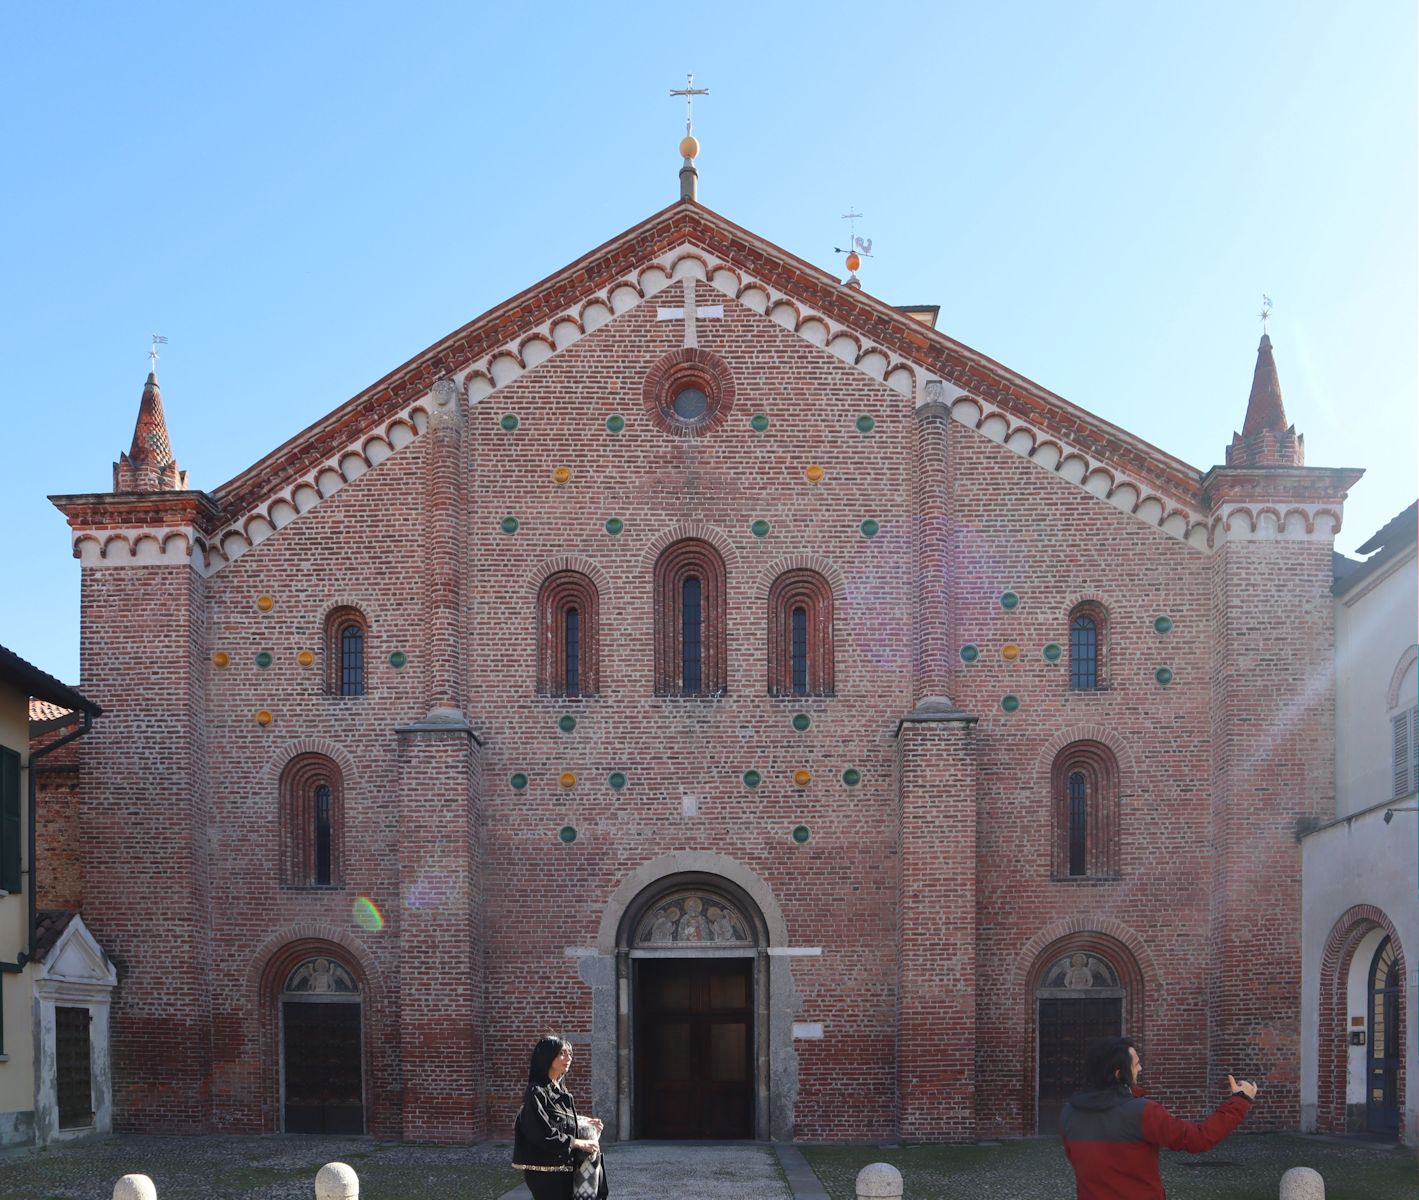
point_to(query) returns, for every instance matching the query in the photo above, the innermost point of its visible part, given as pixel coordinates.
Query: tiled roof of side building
(42, 711)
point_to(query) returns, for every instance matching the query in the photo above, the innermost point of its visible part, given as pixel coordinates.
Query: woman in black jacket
(545, 1145)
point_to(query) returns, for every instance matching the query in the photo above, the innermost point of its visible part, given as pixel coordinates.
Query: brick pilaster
(444, 550)
(933, 656)
(440, 952)
(936, 971)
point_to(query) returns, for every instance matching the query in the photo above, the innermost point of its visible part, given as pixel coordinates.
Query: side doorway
(1079, 1001)
(322, 1060)
(1382, 1045)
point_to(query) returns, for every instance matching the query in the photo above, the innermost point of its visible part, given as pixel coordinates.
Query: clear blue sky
(302, 196)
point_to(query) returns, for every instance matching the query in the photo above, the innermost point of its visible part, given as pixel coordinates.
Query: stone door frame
(608, 971)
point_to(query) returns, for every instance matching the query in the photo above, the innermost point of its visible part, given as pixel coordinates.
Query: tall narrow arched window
(799, 653)
(312, 813)
(1087, 629)
(568, 648)
(1085, 784)
(345, 636)
(691, 635)
(1078, 823)
(322, 832)
(573, 651)
(800, 635)
(690, 643)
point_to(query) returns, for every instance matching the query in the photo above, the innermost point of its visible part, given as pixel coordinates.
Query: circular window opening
(690, 405)
(689, 392)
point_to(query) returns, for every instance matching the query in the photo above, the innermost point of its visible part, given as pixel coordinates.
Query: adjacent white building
(1360, 904)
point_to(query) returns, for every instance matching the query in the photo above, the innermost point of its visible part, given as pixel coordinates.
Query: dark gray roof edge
(1400, 530)
(41, 685)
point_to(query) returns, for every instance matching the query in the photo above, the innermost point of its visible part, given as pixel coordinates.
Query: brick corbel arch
(691, 529)
(270, 776)
(1331, 1027)
(1086, 732)
(267, 972)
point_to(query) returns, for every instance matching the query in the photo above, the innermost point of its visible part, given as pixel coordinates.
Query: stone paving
(661, 1170)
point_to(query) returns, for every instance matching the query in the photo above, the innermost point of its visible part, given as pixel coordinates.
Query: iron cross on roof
(689, 91)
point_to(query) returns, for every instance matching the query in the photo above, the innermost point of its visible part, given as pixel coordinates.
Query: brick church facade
(824, 726)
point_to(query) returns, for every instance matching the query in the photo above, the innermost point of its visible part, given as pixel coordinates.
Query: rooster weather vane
(857, 248)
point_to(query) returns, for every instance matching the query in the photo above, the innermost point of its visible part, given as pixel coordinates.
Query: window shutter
(9, 820)
(1403, 727)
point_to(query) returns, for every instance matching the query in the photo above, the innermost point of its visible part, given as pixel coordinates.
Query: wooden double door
(323, 1071)
(1067, 1025)
(694, 1048)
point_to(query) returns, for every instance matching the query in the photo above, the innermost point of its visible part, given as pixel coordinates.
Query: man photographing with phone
(1112, 1133)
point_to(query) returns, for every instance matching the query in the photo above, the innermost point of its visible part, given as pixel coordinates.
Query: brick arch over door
(1335, 960)
(270, 967)
(1106, 939)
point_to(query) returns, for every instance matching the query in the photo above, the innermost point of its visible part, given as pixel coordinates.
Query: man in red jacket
(1112, 1134)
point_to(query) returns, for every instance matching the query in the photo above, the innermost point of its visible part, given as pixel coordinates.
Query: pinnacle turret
(149, 465)
(1266, 440)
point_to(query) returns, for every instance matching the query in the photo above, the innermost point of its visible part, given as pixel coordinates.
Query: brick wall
(929, 886)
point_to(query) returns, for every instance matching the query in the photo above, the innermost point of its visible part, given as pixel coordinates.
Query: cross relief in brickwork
(690, 313)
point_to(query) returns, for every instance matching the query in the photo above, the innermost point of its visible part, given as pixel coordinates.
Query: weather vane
(857, 248)
(689, 91)
(158, 340)
(1265, 310)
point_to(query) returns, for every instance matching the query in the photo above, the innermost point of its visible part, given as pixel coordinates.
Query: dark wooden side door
(1382, 1046)
(1067, 1026)
(74, 1079)
(694, 1048)
(324, 1072)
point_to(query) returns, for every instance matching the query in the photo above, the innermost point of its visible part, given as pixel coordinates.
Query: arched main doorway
(322, 1066)
(1080, 998)
(693, 974)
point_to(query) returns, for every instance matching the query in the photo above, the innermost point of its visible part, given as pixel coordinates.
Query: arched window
(346, 632)
(568, 643)
(690, 649)
(1087, 625)
(800, 635)
(1078, 823)
(312, 812)
(1086, 833)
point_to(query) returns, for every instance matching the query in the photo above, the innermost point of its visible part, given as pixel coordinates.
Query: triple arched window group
(690, 629)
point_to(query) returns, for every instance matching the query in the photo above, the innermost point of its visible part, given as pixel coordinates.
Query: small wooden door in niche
(321, 1050)
(1079, 1002)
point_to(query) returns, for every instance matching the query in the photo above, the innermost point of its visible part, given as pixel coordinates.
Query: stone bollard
(135, 1187)
(337, 1181)
(879, 1181)
(1301, 1183)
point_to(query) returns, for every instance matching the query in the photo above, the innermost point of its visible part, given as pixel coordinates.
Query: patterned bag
(587, 1169)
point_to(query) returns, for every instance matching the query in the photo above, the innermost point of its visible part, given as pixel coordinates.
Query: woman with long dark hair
(558, 1160)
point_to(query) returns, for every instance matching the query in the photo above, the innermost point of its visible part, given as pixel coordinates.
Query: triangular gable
(76, 958)
(688, 240)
